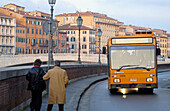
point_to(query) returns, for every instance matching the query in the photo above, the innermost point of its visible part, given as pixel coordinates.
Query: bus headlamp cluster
(116, 80)
(149, 80)
(114, 75)
(152, 75)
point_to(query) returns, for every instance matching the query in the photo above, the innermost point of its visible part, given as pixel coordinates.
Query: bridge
(10, 60)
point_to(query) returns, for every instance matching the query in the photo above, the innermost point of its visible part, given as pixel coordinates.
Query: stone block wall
(13, 83)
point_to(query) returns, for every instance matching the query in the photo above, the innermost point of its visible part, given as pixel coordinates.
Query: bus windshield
(135, 57)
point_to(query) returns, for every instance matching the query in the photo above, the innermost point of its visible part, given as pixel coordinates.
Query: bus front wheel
(113, 91)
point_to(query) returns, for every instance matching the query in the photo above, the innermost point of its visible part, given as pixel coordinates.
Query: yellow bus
(132, 62)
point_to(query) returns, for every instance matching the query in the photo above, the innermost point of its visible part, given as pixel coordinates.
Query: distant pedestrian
(58, 81)
(36, 85)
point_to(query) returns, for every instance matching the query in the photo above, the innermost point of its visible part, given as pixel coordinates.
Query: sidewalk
(73, 92)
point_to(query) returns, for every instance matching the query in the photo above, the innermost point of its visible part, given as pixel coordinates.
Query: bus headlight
(149, 80)
(114, 75)
(116, 80)
(152, 75)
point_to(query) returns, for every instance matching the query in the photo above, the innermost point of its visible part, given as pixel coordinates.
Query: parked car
(160, 58)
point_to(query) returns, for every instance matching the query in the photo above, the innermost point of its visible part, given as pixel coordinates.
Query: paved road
(98, 98)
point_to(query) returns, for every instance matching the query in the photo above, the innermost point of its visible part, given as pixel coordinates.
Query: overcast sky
(145, 13)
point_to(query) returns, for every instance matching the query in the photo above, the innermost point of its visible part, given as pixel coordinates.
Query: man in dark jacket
(35, 75)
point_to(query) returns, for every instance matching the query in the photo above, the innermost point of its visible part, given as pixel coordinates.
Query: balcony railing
(7, 45)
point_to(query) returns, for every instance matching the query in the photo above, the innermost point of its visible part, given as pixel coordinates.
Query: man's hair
(37, 62)
(57, 63)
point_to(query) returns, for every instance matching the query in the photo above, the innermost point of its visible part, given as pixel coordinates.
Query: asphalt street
(98, 98)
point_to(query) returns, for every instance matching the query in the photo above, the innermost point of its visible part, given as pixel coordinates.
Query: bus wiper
(142, 68)
(126, 66)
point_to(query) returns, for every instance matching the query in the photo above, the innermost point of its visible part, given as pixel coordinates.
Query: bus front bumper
(153, 85)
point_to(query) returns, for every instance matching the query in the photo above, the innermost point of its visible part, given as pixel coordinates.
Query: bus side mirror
(104, 50)
(158, 51)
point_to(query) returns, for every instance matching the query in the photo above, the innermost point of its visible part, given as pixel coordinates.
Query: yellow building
(110, 27)
(39, 13)
(7, 34)
(87, 38)
(14, 7)
(162, 41)
(168, 45)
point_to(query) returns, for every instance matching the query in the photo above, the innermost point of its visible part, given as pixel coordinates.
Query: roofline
(14, 4)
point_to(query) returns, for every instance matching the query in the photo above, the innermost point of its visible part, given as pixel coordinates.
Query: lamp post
(50, 50)
(79, 23)
(99, 32)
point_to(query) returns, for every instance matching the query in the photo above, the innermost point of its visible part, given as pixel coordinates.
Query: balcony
(7, 45)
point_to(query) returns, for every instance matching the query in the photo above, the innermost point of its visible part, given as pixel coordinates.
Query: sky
(153, 14)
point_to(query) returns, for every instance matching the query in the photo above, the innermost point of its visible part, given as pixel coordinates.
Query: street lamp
(50, 50)
(79, 23)
(99, 32)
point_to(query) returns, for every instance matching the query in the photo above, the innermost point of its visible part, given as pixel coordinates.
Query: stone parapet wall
(13, 84)
(9, 60)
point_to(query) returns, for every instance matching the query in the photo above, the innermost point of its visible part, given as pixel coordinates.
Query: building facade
(110, 27)
(7, 34)
(162, 41)
(87, 38)
(168, 45)
(30, 36)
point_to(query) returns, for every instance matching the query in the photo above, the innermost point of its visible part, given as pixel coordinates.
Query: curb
(84, 91)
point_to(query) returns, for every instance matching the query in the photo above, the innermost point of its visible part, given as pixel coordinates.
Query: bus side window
(158, 51)
(104, 50)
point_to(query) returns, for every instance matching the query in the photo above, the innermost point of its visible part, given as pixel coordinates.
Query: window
(59, 50)
(7, 40)
(73, 39)
(3, 30)
(32, 22)
(43, 41)
(83, 46)
(40, 31)
(28, 41)
(67, 39)
(72, 46)
(36, 30)
(39, 41)
(32, 30)
(84, 32)
(38, 23)
(23, 31)
(27, 29)
(7, 30)
(64, 42)
(23, 50)
(10, 40)
(84, 39)
(10, 30)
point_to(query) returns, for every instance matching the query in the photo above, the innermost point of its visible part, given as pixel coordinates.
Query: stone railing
(9, 60)
(13, 83)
